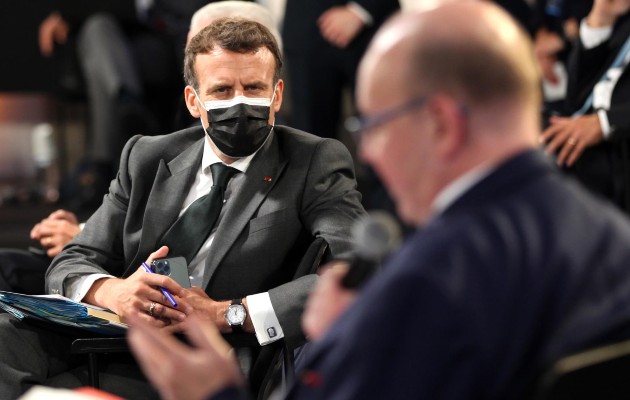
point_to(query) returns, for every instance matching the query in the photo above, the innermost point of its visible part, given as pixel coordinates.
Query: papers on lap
(61, 310)
(84, 393)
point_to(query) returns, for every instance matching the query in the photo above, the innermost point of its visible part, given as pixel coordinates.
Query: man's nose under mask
(239, 126)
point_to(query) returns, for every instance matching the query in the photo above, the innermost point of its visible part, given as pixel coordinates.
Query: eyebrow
(217, 85)
(214, 86)
(260, 83)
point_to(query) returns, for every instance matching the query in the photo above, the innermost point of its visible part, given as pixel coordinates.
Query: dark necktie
(190, 231)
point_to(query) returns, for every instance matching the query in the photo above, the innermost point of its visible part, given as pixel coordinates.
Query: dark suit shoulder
(286, 133)
(313, 155)
(520, 229)
(166, 146)
(294, 142)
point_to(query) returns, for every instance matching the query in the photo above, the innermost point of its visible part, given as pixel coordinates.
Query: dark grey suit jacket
(297, 187)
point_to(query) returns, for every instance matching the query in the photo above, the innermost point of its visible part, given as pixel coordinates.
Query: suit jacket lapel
(170, 188)
(261, 176)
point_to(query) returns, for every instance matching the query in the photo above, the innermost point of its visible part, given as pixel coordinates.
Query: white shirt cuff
(365, 16)
(592, 37)
(604, 123)
(266, 324)
(76, 287)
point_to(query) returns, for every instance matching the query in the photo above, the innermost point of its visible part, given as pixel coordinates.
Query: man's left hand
(204, 308)
(340, 25)
(569, 137)
(208, 309)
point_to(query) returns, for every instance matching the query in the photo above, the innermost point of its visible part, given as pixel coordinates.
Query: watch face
(236, 314)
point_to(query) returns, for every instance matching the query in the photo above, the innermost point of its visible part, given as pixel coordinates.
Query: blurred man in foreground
(513, 268)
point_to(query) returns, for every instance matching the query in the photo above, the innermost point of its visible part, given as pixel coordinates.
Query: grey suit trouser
(33, 355)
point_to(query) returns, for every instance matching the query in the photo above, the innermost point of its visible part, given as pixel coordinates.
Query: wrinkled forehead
(220, 64)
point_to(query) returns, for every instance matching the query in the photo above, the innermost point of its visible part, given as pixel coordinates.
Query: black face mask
(239, 130)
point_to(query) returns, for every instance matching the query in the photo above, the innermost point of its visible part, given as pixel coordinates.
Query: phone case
(175, 267)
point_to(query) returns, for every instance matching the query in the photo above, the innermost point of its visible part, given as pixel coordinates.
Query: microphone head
(376, 236)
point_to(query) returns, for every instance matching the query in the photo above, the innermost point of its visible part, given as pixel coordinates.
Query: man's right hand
(55, 231)
(605, 12)
(132, 297)
(340, 25)
(54, 29)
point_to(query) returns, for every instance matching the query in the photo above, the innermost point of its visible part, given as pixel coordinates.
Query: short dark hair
(234, 34)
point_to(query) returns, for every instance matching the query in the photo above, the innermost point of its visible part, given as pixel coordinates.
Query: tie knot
(221, 174)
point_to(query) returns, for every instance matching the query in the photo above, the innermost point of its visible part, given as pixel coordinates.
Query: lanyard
(623, 52)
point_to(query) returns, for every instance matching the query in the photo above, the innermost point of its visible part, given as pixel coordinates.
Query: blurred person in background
(591, 142)
(129, 55)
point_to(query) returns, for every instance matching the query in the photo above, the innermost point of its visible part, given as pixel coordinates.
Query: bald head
(445, 91)
(472, 51)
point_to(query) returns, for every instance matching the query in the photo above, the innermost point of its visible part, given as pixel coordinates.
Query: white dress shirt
(454, 190)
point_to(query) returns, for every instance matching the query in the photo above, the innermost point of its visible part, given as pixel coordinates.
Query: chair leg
(93, 370)
(289, 365)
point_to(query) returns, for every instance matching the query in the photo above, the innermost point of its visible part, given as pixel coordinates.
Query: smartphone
(175, 267)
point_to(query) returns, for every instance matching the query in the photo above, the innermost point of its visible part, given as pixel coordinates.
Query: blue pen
(165, 292)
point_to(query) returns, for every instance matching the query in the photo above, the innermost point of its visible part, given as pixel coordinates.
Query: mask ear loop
(198, 99)
(202, 106)
(273, 123)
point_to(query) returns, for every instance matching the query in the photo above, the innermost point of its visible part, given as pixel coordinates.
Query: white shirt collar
(209, 157)
(458, 187)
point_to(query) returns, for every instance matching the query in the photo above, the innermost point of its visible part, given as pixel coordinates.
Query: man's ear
(450, 131)
(191, 101)
(277, 101)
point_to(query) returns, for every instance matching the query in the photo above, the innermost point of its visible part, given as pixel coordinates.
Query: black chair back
(599, 373)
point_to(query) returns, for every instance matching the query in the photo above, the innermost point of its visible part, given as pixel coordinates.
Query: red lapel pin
(267, 179)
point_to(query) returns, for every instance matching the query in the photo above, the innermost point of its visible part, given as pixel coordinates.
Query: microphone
(375, 237)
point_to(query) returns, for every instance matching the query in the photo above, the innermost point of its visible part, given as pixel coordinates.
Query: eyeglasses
(359, 126)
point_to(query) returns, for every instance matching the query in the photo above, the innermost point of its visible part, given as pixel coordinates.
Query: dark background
(24, 71)
(22, 67)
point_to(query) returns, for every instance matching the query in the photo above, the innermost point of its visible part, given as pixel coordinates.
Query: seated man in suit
(287, 187)
(514, 266)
